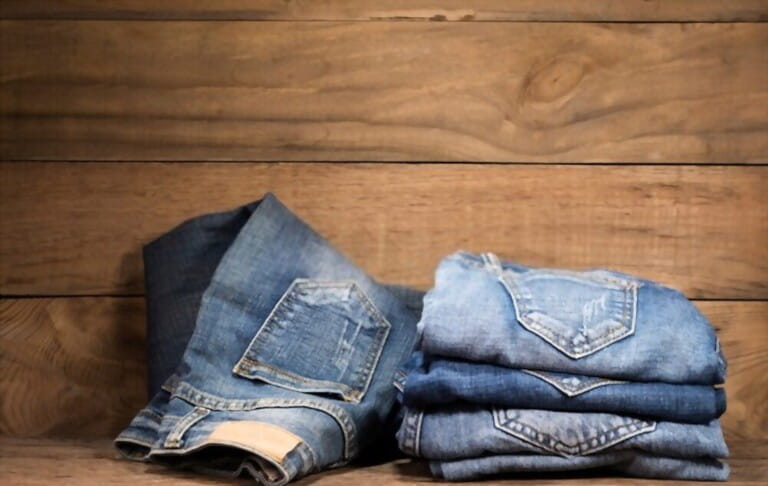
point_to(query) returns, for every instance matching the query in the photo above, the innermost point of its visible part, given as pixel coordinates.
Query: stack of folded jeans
(531, 370)
(270, 354)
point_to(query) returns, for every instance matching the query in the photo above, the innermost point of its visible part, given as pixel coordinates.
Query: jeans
(594, 323)
(472, 441)
(289, 366)
(441, 381)
(525, 369)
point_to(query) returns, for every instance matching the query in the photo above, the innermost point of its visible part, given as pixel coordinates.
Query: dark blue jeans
(441, 381)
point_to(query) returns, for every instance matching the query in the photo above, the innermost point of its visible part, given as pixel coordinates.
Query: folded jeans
(289, 367)
(594, 323)
(436, 381)
(459, 440)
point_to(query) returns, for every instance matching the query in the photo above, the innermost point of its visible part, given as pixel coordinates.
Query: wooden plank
(41, 462)
(445, 10)
(75, 366)
(78, 228)
(71, 367)
(383, 91)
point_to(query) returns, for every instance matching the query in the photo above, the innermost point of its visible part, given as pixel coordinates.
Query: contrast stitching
(378, 341)
(195, 396)
(558, 340)
(526, 432)
(330, 386)
(573, 391)
(412, 432)
(174, 438)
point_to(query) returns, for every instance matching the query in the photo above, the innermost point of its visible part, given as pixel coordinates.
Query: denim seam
(399, 380)
(197, 397)
(378, 342)
(633, 427)
(133, 439)
(552, 337)
(175, 436)
(152, 414)
(575, 391)
(412, 437)
(310, 462)
(246, 365)
(205, 443)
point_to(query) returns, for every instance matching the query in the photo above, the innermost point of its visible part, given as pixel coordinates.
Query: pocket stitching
(629, 310)
(350, 393)
(574, 391)
(639, 426)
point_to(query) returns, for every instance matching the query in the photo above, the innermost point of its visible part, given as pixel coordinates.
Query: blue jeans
(595, 323)
(440, 381)
(512, 345)
(290, 366)
(469, 441)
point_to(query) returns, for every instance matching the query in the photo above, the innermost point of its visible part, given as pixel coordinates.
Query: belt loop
(492, 263)
(174, 439)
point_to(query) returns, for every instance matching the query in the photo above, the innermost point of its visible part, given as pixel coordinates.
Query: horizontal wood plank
(78, 228)
(383, 91)
(75, 366)
(445, 10)
(71, 367)
(41, 462)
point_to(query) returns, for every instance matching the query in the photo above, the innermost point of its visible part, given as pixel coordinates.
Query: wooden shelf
(94, 462)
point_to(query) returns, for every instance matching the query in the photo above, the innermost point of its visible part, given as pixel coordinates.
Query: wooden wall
(628, 134)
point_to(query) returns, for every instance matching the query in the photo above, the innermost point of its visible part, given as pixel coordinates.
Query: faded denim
(442, 381)
(178, 266)
(594, 323)
(468, 442)
(290, 366)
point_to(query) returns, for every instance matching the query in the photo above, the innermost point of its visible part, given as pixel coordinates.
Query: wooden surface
(71, 366)
(78, 228)
(131, 107)
(444, 10)
(377, 91)
(93, 463)
(60, 353)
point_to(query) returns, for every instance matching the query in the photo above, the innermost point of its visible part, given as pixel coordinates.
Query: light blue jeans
(469, 442)
(290, 366)
(594, 323)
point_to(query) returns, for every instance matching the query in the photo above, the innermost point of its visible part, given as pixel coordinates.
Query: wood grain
(445, 10)
(383, 91)
(41, 462)
(70, 367)
(75, 366)
(79, 228)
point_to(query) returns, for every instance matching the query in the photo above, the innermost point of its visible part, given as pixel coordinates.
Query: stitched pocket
(578, 313)
(321, 337)
(569, 434)
(571, 385)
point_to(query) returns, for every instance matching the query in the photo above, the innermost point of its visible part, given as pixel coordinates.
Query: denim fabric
(290, 366)
(595, 323)
(523, 439)
(178, 266)
(442, 381)
(630, 463)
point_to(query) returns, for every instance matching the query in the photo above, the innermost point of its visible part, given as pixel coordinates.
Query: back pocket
(567, 433)
(577, 313)
(321, 337)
